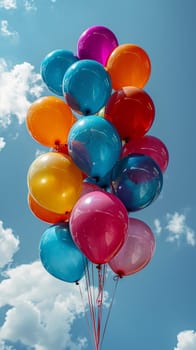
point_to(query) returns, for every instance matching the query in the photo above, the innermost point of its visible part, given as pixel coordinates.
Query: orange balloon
(49, 120)
(44, 214)
(128, 65)
(55, 182)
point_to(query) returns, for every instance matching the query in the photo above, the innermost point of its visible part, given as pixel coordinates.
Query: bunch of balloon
(100, 166)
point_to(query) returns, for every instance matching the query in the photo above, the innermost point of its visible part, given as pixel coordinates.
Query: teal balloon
(94, 145)
(137, 181)
(59, 254)
(53, 68)
(86, 86)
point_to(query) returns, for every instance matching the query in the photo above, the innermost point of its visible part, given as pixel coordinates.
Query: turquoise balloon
(59, 254)
(94, 145)
(86, 86)
(53, 68)
(137, 181)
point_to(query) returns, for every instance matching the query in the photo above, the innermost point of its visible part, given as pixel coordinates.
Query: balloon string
(90, 302)
(101, 282)
(116, 279)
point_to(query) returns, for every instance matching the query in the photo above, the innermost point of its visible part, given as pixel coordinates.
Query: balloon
(150, 146)
(131, 110)
(86, 86)
(137, 181)
(60, 256)
(98, 224)
(94, 145)
(53, 68)
(55, 182)
(96, 43)
(49, 120)
(44, 214)
(136, 252)
(128, 65)
(88, 187)
(103, 182)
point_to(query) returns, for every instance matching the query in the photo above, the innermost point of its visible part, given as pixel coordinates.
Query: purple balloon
(96, 43)
(137, 250)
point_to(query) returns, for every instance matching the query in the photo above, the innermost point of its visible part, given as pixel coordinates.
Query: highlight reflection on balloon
(137, 181)
(136, 252)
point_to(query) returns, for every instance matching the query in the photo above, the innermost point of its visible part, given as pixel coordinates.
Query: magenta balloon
(137, 250)
(98, 224)
(150, 146)
(88, 187)
(96, 43)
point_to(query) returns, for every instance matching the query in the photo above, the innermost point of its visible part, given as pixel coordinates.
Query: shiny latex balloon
(49, 120)
(55, 182)
(88, 187)
(86, 86)
(44, 214)
(137, 181)
(94, 145)
(60, 256)
(96, 43)
(53, 68)
(132, 111)
(150, 146)
(136, 252)
(102, 182)
(128, 65)
(98, 225)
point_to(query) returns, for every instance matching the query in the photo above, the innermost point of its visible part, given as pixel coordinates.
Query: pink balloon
(88, 187)
(137, 250)
(98, 224)
(150, 146)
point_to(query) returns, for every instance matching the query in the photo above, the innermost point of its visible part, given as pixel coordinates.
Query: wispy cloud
(6, 32)
(186, 340)
(2, 143)
(177, 229)
(44, 307)
(18, 87)
(9, 245)
(8, 4)
(30, 5)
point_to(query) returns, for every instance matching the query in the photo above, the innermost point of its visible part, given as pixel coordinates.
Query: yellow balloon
(55, 182)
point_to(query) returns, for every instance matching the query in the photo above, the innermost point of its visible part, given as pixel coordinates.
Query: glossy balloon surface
(136, 252)
(98, 225)
(49, 120)
(95, 146)
(86, 86)
(137, 181)
(128, 65)
(55, 182)
(96, 43)
(44, 214)
(131, 110)
(53, 68)
(150, 146)
(60, 256)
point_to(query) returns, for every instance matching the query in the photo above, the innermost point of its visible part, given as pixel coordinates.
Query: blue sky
(155, 308)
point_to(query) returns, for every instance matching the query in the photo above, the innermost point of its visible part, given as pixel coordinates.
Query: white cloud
(44, 307)
(8, 4)
(178, 229)
(186, 340)
(5, 31)
(2, 143)
(29, 5)
(18, 86)
(9, 245)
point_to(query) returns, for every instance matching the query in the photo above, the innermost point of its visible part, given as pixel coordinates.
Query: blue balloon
(137, 181)
(103, 182)
(53, 69)
(94, 145)
(87, 86)
(59, 254)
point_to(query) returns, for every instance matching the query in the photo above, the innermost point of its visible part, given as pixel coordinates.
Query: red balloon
(137, 250)
(150, 146)
(131, 110)
(98, 224)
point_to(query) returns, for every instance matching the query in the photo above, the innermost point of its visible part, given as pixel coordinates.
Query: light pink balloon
(98, 225)
(137, 250)
(88, 187)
